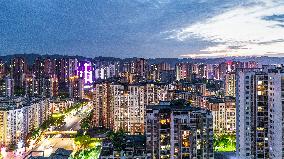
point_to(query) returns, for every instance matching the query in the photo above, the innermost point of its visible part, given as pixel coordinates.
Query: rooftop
(174, 107)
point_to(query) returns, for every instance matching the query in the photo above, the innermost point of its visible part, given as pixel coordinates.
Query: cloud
(146, 28)
(279, 18)
(243, 30)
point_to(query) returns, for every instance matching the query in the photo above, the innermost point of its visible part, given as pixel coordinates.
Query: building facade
(20, 116)
(178, 132)
(260, 113)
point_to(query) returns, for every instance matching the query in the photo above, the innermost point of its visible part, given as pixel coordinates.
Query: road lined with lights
(72, 120)
(72, 123)
(50, 144)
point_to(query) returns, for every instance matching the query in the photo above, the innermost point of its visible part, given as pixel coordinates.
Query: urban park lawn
(225, 143)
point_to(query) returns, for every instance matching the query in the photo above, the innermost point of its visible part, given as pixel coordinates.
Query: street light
(20, 144)
(3, 151)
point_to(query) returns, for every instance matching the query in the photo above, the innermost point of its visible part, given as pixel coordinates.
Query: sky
(143, 28)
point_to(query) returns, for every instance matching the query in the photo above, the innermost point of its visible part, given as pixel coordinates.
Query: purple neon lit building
(85, 71)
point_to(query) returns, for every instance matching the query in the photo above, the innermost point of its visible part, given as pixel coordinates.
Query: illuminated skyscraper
(49, 67)
(9, 87)
(224, 114)
(178, 131)
(259, 102)
(85, 71)
(138, 67)
(18, 71)
(102, 110)
(2, 69)
(72, 67)
(183, 71)
(76, 87)
(230, 84)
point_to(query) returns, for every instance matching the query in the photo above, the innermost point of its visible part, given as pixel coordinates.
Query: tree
(13, 146)
(225, 142)
(86, 123)
(180, 102)
(118, 139)
(27, 140)
(83, 141)
(19, 91)
(88, 153)
(35, 133)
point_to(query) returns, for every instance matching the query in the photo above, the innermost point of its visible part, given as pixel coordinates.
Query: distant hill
(31, 57)
(262, 60)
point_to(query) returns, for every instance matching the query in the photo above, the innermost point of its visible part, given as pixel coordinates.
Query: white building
(9, 85)
(224, 115)
(260, 113)
(230, 84)
(118, 106)
(19, 116)
(59, 106)
(128, 108)
(106, 71)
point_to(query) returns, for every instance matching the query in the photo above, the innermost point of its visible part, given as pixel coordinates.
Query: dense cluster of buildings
(133, 95)
(139, 103)
(19, 116)
(44, 77)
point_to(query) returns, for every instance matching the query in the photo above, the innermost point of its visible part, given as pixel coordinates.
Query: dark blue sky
(120, 28)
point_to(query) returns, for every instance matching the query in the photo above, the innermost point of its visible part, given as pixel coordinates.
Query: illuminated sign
(85, 71)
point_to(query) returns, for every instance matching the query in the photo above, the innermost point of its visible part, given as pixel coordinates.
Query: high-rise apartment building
(128, 107)
(224, 114)
(106, 71)
(119, 107)
(7, 87)
(48, 67)
(178, 131)
(252, 110)
(18, 71)
(76, 87)
(72, 67)
(122, 106)
(260, 112)
(59, 105)
(160, 71)
(2, 69)
(19, 116)
(102, 111)
(230, 84)
(138, 67)
(183, 71)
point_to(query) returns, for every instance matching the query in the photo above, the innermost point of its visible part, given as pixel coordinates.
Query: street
(72, 120)
(50, 144)
(72, 123)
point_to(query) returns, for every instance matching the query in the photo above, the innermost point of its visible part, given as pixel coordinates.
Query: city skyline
(163, 28)
(143, 79)
(102, 107)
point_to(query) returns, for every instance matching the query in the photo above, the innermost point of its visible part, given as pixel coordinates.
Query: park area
(225, 143)
(87, 147)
